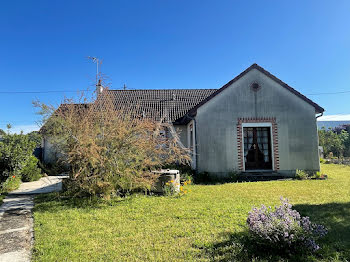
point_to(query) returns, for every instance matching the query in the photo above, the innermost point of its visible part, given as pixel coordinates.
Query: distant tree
(35, 137)
(336, 142)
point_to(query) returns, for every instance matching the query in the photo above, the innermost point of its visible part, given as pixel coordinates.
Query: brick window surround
(274, 138)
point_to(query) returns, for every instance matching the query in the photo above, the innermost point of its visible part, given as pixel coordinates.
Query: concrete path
(16, 220)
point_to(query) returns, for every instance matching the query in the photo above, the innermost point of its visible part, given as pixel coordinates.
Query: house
(254, 123)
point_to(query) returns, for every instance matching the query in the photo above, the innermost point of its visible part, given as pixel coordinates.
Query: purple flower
(284, 227)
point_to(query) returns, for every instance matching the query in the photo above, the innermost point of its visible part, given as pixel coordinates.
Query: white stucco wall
(217, 125)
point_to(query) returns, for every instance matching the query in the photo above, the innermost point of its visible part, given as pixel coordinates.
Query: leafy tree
(336, 141)
(109, 151)
(15, 150)
(35, 137)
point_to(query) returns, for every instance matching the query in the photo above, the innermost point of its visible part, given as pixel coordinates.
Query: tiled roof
(174, 104)
(167, 104)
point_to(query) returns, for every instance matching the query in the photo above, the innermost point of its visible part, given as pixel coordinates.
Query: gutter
(321, 114)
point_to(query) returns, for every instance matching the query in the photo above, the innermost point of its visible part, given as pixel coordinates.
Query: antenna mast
(97, 61)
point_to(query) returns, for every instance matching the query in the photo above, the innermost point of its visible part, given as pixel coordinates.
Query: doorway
(257, 148)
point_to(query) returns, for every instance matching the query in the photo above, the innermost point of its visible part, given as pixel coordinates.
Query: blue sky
(169, 44)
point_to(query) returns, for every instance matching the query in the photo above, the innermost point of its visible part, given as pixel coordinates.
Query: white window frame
(193, 164)
(260, 124)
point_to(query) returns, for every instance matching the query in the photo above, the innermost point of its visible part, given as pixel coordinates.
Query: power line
(42, 92)
(330, 93)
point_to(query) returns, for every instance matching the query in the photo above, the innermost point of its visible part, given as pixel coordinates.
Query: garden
(108, 210)
(17, 162)
(207, 224)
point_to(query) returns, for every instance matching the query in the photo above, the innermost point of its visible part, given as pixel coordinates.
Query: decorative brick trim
(240, 145)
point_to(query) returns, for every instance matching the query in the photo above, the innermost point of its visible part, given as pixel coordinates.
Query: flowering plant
(284, 228)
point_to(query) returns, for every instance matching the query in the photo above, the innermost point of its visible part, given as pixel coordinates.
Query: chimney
(99, 88)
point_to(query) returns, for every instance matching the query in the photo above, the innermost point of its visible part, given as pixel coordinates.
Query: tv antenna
(97, 61)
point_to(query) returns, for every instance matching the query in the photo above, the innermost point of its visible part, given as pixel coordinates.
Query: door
(257, 148)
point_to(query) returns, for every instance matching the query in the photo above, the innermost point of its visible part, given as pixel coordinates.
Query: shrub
(53, 169)
(15, 150)
(301, 174)
(11, 183)
(109, 150)
(322, 161)
(202, 177)
(30, 171)
(169, 188)
(317, 175)
(233, 176)
(284, 229)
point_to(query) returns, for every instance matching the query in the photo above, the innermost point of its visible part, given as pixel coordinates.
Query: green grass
(208, 224)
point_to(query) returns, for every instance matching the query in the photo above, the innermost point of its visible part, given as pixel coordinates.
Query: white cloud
(334, 118)
(25, 128)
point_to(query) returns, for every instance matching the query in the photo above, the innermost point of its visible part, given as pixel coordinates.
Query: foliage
(53, 169)
(110, 151)
(322, 161)
(318, 175)
(15, 151)
(337, 142)
(11, 183)
(209, 224)
(30, 171)
(301, 174)
(35, 137)
(184, 189)
(284, 229)
(233, 176)
(170, 188)
(202, 178)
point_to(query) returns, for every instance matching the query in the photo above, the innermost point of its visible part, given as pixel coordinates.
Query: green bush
(317, 175)
(11, 183)
(233, 176)
(202, 178)
(30, 171)
(322, 160)
(301, 174)
(15, 151)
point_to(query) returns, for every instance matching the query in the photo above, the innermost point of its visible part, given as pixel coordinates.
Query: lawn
(208, 224)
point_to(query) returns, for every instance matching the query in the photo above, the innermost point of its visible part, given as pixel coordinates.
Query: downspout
(318, 139)
(195, 139)
(321, 114)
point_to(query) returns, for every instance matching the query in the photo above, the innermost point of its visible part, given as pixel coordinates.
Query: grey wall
(49, 153)
(181, 130)
(217, 123)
